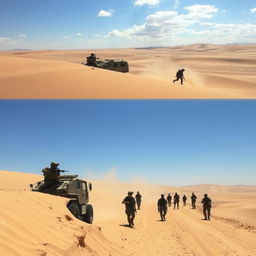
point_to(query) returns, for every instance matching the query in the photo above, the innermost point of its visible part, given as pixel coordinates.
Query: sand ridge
(42, 225)
(212, 71)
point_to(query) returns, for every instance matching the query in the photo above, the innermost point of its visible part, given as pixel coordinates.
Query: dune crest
(39, 224)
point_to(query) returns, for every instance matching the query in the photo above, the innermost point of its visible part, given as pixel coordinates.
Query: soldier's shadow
(124, 225)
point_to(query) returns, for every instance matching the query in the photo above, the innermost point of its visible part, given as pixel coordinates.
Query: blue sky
(164, 142)
(80, 24)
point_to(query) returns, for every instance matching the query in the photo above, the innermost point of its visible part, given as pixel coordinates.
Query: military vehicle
(76, 190)
(110, 64)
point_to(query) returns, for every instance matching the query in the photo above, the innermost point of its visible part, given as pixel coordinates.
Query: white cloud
(103, 13)
(22, 35)
(201, 11)
(67, 36)
(5, 40)
(79, 34)
(164, 24)
(148, 2)
(234, 30)
(165, 28)
(253, 10)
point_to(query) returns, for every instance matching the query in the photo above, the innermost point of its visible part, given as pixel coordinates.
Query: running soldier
(180, 76)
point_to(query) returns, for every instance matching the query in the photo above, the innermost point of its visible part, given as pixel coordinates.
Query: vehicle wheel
(74, 209)
(88, 217)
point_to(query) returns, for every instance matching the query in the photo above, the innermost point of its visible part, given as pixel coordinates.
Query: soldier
(184, 199)
(169, 199)
(180, 76)
(207, 204)
(193, 201)
(162, 207)
(130, 208)
(176, 200)
(138, 200)
(91, 60)
(51, 176)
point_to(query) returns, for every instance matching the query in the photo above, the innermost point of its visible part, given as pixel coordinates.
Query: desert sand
(212, 72)
(34, 223)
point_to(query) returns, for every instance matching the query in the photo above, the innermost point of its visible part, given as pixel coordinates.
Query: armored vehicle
(110, 64)
(76, 190)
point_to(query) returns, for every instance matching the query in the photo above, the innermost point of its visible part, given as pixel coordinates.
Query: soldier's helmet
(130, 192)
(92, 54)
(205, 195)
(162, 195)
(54, 164)
(183, 69)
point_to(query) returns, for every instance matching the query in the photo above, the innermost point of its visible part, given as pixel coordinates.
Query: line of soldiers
(163, 204)
(176, 200)
(206, 201)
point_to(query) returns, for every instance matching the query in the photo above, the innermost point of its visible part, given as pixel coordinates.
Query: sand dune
(212, 71)
(39, 224)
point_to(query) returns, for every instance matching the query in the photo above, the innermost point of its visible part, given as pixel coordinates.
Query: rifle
(61, 171)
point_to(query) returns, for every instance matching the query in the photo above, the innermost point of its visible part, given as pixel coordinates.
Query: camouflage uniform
(51, 176)
(184, 199)
(193, 201)
(207, 204)
(179, 76)
(130, 208)
(169, 200)
(138, 200)
(176, 200)
(162, 207)
(91, 60)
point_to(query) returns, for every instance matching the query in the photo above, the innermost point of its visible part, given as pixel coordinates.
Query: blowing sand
(212, 71)
(33, 223)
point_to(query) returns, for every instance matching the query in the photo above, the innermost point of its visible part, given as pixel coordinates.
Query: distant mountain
(18, 49)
